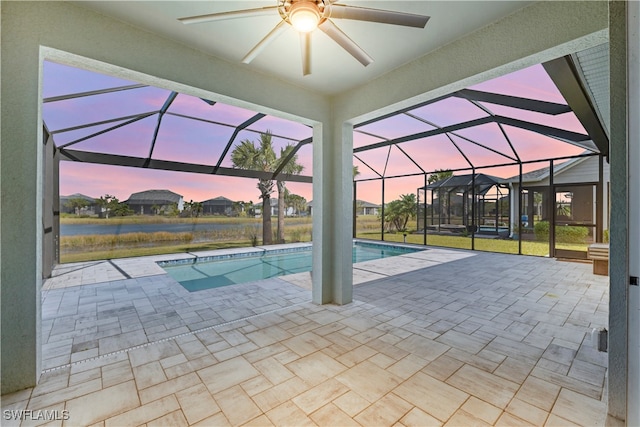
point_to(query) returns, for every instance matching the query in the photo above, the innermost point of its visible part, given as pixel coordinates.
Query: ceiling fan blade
(229, 15)
(305, 45)
(277, 30)
(330, 29)
(340, 11)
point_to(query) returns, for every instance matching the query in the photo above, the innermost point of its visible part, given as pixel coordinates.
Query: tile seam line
(120, 270)
(172, 338)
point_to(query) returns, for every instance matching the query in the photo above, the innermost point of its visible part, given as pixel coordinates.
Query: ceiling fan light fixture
(304, 16)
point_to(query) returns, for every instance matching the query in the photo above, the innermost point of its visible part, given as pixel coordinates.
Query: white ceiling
(333, 69)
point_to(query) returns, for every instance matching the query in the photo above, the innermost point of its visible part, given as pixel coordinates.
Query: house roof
(543, 173)
(220, 200)
(366, 204)
(154, 196)
(77, 196)
(482, 182)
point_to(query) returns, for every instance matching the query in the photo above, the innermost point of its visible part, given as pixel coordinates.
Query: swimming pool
(212, 272)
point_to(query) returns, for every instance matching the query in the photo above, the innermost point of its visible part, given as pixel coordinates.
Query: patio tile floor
(439, 337)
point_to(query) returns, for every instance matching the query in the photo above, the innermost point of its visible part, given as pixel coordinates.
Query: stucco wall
(64, 32)
(60, 31)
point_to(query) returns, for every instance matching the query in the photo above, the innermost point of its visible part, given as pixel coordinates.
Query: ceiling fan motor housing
(307, 15)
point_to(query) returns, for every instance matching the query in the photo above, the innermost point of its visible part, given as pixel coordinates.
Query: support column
(332, 214)
(619, 232)
(355, 208)
(382, 214)
(599, 214)
(49, 195)
(56, 207)
(633, 160)
(21, 207)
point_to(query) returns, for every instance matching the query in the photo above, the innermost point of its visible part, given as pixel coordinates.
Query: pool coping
(94, 272)
(228, 254)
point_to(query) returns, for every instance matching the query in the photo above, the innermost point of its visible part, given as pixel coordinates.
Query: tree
(108, 203)
(297, 203)
(76, 204)
(238, 209)
(441, 175)
(292, 167)
(356, 172)
(261, 157)
(192, 209)
(121, 209)
(398, 212)
(174, 211)
(537, 200)
(112, 206)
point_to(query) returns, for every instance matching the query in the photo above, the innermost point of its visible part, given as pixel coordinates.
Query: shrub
(570, 234)
(564, 233)
(252, 232)
(296, 235)
(541, 230)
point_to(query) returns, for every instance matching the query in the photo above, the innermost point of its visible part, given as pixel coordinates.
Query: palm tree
(440, 175)
(399, 212)
(259, 158)
(291, 168)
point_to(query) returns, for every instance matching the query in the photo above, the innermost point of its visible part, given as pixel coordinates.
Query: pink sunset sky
(196, 141)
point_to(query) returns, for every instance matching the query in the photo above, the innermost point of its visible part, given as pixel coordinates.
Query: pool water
(213, 274)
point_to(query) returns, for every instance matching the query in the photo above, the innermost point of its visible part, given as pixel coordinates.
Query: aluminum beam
(566, 78)
(544, 107)
(239, 128)
(290, 156)
(91, 93)
(129, 161)
(561, 134)
(172, 96)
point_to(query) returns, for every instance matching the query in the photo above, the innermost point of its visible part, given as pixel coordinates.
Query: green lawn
(368, 227)
(461, 242)
(99, 247)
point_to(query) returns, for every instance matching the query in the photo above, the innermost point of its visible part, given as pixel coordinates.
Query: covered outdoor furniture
(599, 253)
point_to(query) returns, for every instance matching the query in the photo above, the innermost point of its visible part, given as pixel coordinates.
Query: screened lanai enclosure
(104, 134)
(463, 204)
(517, 164)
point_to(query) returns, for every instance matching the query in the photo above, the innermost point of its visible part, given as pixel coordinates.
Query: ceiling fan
(307, 15)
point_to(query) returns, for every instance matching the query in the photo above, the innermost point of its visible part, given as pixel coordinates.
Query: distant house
(90, 209)
(366, 208)
(152, 202)
(274, 206)
(273, 202)
(288, 210)
(573, 198)
(362, 208)
(217, 206)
